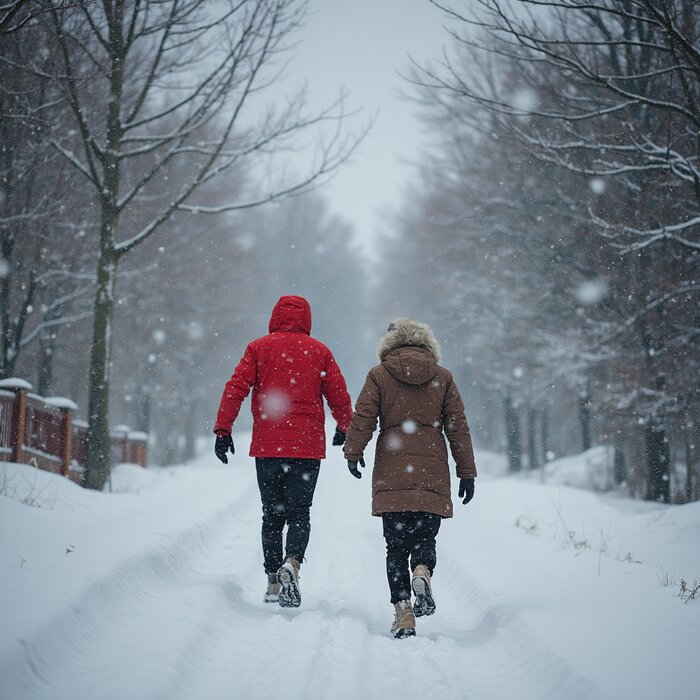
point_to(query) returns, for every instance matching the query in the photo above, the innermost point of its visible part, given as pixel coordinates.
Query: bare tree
(170, 69)
(607, 92)
(39, 290)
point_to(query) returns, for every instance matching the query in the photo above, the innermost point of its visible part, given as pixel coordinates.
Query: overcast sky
(360, 45)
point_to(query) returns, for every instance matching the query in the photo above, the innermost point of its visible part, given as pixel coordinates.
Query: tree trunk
(533, 452)
(513, 442)
(584, 406)
(99, 448)
(47, 348)
(5, 369)
(658, 463)
(619, 464)
(190, 432)
(144, 410)
(99, 452)
(690, 433)
(544, 435)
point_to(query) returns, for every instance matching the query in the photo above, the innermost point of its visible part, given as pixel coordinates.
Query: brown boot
(288, 578)
(424, 603)
(272, 593)
(404, 621)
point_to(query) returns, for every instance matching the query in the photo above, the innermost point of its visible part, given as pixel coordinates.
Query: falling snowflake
(597, 185)
(275, 404)
(394, 442)
(525, 99)
(592, 291)
(409, 426)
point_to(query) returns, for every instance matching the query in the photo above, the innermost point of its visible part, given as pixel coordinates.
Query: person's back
(415, 400)
(289, 372)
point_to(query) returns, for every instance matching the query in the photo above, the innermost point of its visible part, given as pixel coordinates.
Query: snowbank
(133, 478)
(544, 592)
(590, 470)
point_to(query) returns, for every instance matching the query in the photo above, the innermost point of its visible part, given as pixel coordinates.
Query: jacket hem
(412, 500)
(281, 455)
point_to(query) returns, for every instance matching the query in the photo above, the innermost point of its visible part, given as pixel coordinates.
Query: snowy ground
(155, 592)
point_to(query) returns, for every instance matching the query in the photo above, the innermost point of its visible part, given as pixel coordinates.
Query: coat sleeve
(364, 419)
(457, 431)
(237, 388)
(336, 392)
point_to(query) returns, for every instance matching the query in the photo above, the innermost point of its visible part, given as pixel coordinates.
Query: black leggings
(287, 490)
(408, 535)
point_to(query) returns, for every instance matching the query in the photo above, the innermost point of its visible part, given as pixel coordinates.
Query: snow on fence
(45, 431)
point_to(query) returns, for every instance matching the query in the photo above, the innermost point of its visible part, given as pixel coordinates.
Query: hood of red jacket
(291, 313)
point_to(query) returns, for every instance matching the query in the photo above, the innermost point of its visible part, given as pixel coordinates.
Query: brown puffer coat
(415, 400)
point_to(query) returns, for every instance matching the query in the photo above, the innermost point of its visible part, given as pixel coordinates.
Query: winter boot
(288, 578)
(272, 593)
(424, 603)
(404, 621)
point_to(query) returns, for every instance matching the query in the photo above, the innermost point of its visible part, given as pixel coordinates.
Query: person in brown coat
(416, 401)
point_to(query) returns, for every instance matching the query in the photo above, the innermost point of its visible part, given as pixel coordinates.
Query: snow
(597, 185)
(588, 470)
(592, 291)
(543, 592)
(524, 99)
(61, 402)
(15, 383)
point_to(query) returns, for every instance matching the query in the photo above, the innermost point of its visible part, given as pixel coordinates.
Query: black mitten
(352, 466)
(466, 490)
(223, 444)
(339, 437)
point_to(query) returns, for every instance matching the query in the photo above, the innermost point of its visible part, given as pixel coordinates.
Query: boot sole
(424, 604)
(404, 632)
(271, 598)
(290, 596)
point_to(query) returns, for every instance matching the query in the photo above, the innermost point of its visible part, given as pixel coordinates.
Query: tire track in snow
(185, 620)
(131, 621)
(337, 646)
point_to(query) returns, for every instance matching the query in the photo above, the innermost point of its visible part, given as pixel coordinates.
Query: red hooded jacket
(290, 372)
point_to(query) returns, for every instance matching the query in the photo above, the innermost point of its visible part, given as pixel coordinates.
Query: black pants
(287, 490)
(409, 535)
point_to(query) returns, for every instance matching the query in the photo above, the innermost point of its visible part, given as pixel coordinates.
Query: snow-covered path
(161, 597)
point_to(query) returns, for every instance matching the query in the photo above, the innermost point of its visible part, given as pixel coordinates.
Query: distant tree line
(139, 126)
(555, 230)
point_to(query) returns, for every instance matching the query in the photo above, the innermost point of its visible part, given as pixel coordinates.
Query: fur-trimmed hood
(405, 332)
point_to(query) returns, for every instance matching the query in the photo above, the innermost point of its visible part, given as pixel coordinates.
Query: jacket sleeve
(364, 420)
(336, 392)
(237, 388)
(457, 431)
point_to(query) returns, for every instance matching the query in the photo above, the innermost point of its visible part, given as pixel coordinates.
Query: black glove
(466, 489)
(339, 437)
(224, 443)
(352, 466)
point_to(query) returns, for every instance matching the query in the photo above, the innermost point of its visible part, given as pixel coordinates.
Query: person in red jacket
(289, 372)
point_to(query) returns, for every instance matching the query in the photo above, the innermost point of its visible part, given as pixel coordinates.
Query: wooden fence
(45, 431)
